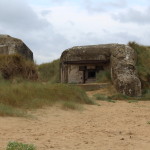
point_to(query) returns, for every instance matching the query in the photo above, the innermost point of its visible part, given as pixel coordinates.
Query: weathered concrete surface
(123, 71)
(121, 58)
(87, 53)
(11, 45)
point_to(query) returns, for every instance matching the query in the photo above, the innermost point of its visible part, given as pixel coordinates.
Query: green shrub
(103, 76)
(143, 63)
(20, 146)
(17, 66)
(50, 71)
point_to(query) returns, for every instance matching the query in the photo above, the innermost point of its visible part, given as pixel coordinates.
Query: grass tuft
(120, 96)
(103, 98)
(71, 105)
(20, 146)
(132, 101)
(6, 110)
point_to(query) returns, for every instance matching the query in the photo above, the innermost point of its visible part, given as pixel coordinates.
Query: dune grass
(143, 63)
(15, 98)
(49, 72)
(6, 110)
(17, 66)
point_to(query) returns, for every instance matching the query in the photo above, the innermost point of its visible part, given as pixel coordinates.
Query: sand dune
(111, 126)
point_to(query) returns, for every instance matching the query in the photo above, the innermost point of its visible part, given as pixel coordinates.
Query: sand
(110, 126)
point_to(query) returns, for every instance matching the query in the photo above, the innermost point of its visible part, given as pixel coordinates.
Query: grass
(6, 110)
(16, 98)
(49, 72)
(143, 63)
(17, 66)
(103, 76)
(148, 122)
(20, 146)
(72, 105)
(104, 98)
(145, 96)
(132, 101)
(120, 96)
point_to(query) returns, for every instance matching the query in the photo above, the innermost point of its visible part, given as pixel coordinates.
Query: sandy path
(111, 126)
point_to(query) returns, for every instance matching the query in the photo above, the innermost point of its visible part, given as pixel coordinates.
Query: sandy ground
(110, 126)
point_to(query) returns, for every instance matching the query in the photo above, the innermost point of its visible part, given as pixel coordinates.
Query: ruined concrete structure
(81, 63)
(11, 45)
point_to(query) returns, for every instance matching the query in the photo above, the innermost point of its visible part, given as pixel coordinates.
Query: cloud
(103, 6)
(45, 12)
(49, 27)
(21, 21)
(18, 15)
(134, 16)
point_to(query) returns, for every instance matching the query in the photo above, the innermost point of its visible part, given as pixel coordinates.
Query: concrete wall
(74, 75)
(4, 49)
(10, 45)
(71, 73)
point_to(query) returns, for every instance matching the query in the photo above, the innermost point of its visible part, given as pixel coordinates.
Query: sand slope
(111, 126)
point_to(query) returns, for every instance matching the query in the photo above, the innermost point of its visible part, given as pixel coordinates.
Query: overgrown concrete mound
(80, 64)
(12, 66)
(11, 45)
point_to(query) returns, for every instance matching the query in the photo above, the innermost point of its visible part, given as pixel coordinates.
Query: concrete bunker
(80, 64)
(10, 45)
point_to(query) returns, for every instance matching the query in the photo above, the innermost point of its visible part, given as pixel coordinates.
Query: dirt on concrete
(110, 126)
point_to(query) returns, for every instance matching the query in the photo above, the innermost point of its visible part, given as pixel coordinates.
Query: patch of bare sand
(111, 126)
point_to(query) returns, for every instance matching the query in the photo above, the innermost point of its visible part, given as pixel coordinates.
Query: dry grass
(17, 66)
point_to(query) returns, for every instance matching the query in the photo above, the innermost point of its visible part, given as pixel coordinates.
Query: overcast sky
(50, 26)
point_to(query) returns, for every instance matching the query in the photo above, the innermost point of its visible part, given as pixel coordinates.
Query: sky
(48, 27)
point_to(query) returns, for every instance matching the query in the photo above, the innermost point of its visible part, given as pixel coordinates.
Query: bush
(17, 66)
(143, 63)
(20, 146)
(50, 71)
